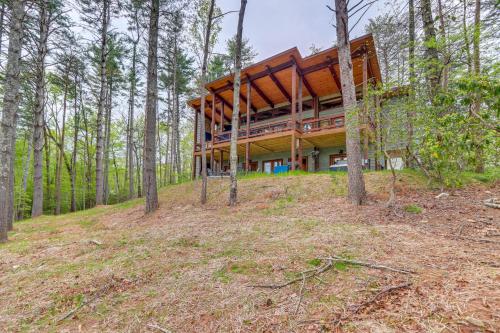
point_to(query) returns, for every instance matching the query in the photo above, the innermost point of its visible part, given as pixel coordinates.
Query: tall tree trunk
(60, 156)
(466, 39)
(410, 115)
(76, 128)
(138, 171)
(176, 116)
(107, 136)
(430, 49)
(356, 184)
(445, 51)
(149, 164)
(2, 22)
(130, 129)
(26, 169)
(233, 191)
(9, 114)
(204, 180)
(99, 173)
(48, 179)
(476, 106)
(38, 136)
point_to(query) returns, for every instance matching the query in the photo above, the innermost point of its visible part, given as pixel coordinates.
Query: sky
(277, 25)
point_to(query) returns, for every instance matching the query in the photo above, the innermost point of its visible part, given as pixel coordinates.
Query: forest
(108, 190)
(76, 128)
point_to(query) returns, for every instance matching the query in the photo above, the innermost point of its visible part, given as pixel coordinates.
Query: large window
(337, 157)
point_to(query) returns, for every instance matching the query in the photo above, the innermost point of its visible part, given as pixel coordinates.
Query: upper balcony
(284, 94)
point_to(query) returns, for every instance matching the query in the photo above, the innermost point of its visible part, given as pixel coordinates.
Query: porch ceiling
(320, 72)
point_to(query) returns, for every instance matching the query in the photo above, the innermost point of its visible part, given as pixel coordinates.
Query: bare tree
(356, 184)
(149, 164)
(233, 191)
(10, 109)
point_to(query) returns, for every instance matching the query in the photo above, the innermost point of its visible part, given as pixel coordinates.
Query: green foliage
(414, 209)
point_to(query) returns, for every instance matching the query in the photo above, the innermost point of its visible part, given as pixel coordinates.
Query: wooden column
(195, 142)
(221, 160)
(294, 113)
(212, 133)
(301, 167)
(315, 109)
(247, 145)
(222, 117)
(365, 105)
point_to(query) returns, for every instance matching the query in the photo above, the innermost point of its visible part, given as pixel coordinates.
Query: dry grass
(189, 268)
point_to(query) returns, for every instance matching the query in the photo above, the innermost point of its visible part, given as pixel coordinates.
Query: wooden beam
(294, 111)
(195, 139)
(279, 85)
(335, 77)
(304, 79)
(243, 98)
(261, 147)
(261, 93)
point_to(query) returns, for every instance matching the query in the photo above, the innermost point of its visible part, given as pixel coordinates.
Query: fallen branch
(357, 308)
(84, 303)
(370, 265)
(492, 203)
(301, 294)
(95, 242)
(311, 273)
(159, 328)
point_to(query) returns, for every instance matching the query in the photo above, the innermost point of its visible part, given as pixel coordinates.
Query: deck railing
(306, 126)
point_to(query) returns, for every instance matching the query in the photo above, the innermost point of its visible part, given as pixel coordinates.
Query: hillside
(189, 268)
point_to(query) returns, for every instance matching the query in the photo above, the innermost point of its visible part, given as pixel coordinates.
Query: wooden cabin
(290, 112)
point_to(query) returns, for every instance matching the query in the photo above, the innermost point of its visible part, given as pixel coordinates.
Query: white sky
(277, 25)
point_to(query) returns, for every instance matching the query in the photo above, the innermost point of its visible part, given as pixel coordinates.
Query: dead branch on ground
(159, 328)
(370, 265)
(86, 302)
(359, 307)
(492, 203)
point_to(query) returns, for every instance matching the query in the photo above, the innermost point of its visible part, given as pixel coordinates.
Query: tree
(9, 112)
(206, 48)
(431, 55)
(39, 109)
(233, 191)
(149, 165)
(356, 184)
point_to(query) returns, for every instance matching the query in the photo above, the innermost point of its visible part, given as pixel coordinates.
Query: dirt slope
(189, 268)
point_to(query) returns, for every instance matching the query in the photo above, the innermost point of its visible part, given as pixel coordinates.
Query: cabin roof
(271, 78)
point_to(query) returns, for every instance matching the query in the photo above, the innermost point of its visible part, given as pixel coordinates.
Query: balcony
(263, 131)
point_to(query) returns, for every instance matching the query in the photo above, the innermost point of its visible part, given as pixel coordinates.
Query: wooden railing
(306, 126)
(259, 130)
(322, 123)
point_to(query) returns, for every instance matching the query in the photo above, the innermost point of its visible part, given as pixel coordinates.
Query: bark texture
(99, 154)
(203, 195)
(430, 48)
(356, 184)
(10, 109)
(149, 164)
(38, 130)
(233, 191)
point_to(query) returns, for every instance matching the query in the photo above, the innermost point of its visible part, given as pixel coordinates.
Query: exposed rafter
(242, 97)
(217, 111)
(304, 79)
(279, 85)
(261, 93)
(335, 77)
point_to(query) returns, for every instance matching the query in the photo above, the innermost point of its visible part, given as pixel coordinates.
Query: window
(337, 157)
(269, 165)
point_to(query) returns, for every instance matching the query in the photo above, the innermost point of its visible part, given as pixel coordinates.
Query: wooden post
(301, 167)
(316, 110)
(247, 145)
(212, 133)
(195, 142)
(221, 160)
(365, 105)
(222, 117)
(294, 111)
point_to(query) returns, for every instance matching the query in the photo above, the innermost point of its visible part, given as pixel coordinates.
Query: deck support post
(365, 106)
(222, 117)
(195, 143)
(315, 109)
(294, 114)
(212, 133)
(301, 78)
(247, 145)
(221, 166)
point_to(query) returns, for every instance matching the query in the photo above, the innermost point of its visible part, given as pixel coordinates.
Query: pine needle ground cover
(189, 268)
